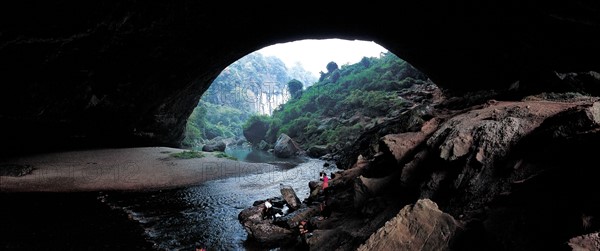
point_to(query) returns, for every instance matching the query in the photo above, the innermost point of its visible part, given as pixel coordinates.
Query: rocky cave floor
(462, 174)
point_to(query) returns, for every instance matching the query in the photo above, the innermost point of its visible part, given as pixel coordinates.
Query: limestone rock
(588, 242)
(269, 234)
(421, 226)
(285, 146)
(289, 195)
(291, 220)
(263, 230)
(216, 146)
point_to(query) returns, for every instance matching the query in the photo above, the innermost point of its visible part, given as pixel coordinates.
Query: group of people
(304, 226)
(268, 213)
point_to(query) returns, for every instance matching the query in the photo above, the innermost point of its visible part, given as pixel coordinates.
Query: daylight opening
(316, 95)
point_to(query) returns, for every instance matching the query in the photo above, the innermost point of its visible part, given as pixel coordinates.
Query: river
(206, 215)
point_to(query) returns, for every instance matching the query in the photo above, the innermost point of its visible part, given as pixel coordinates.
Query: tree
(332, 66)
(295, 88)
(255, 129)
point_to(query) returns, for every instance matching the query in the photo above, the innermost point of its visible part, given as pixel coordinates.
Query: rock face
(496, 170)
(421, 226)
(486, 166)
(588, 242)
(130, 73)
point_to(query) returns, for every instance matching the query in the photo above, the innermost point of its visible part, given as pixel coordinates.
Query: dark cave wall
(128, 73)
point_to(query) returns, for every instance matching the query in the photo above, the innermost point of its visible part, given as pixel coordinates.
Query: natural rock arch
(125, 73)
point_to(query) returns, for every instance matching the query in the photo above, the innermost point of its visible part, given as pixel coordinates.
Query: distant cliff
(255, 84)
(346, 101)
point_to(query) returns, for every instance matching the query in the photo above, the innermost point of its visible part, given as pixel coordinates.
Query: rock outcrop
(588, 242)
(417, 227)
(290, 197)
(261, 229)
(280, 229)
(495, 169)
(285, 147)
(217, 145)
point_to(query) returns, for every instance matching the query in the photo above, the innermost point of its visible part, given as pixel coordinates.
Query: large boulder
(285, 147)
(261, 229)
(421, 226)
(269, 234)
(215, 146)
(290, 197)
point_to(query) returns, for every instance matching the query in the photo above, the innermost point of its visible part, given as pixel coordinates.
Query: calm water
(206, 215)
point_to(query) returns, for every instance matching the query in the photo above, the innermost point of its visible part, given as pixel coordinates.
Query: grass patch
(224, 155)
(188, 155)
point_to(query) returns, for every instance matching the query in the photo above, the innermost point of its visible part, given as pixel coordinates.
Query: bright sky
(315, 54)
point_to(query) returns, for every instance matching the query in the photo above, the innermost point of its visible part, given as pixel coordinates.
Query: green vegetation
(209, 121)
(225, 155)
(236, 94)
(255, 129)
(295, 88)
(188, 155)
(332, 110)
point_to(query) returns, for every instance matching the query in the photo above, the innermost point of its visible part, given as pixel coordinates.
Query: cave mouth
(319, 78)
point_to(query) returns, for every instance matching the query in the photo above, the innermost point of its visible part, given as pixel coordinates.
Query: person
(325, 181)
(304, 230)
(268, 213)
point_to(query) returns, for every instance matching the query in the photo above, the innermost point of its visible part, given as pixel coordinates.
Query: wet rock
(289, 195)
(291, 220)
(269, 234)
(261, 229)
(252, 214)
(421, 226)
(285, 147)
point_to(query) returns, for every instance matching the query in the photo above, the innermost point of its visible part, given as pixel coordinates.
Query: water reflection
(206, 215)
(248, 154)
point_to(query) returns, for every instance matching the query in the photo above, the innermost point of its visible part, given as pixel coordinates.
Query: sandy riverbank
(121, 169)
